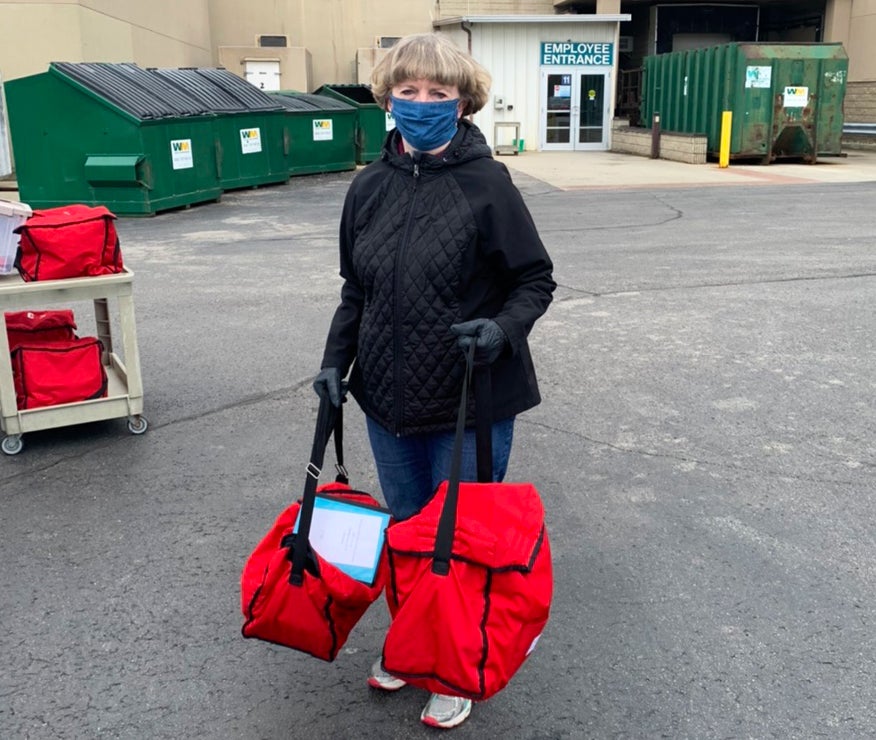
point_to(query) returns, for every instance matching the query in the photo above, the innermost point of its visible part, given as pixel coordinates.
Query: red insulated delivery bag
(470, 581)
(48, 374)
(66, 242)
(290, 594)
(38, 327)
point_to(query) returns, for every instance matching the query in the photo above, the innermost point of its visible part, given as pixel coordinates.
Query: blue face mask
(425, 126)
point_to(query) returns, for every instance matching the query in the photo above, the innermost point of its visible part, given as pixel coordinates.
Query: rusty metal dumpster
(786, 98)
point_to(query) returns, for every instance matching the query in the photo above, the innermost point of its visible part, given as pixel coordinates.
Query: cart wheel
(137, 425)
(12, 445)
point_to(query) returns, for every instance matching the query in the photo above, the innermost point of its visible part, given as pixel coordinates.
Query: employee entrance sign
(576, 54)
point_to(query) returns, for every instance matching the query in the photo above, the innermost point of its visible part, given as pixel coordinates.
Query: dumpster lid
(293, 102)
(247, 94)
(202, 89)
(132, 89)
(324, 102)
(359, 94)
(308, 103)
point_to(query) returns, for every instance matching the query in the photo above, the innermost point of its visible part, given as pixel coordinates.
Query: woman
(437, 250)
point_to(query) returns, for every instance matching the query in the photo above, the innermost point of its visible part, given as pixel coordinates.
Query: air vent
(386, 42)
(272, 41)
(625, 44)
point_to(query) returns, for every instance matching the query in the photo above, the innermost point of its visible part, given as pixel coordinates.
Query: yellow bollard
(726, 125)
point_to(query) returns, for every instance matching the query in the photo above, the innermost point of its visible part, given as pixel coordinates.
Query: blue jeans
(410, 468)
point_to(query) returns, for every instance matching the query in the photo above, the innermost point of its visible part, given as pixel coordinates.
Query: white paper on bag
(348, 535)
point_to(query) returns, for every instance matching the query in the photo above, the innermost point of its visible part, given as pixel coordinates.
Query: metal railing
(860, 129)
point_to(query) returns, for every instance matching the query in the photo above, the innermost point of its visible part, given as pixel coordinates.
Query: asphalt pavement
(705, 451)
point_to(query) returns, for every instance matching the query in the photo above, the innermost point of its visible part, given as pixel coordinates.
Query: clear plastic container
(12, 215)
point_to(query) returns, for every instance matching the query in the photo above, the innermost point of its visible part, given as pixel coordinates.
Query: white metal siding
(512, 54)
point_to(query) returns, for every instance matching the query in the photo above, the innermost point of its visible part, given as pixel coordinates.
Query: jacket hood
(467, 144)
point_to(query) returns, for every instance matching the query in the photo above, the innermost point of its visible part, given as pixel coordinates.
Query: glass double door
(574, 109)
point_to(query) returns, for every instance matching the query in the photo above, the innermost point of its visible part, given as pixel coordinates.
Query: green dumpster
(372, 122)
(251, 138)
(786, 98)
(100, 133)
(322, 133)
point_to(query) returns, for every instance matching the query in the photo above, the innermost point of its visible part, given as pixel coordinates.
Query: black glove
(328, 385)
(487, 335)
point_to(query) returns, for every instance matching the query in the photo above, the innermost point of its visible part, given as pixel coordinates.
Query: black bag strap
(342, 475)
(328, 419)
(483, 437)
(483, 394)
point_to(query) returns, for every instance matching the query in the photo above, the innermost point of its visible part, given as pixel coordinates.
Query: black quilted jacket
(425, 245)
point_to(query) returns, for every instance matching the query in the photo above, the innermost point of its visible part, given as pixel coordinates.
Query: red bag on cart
(39, 327)
(292, 596)
(60, 372)
(470, 579)
(66, 242)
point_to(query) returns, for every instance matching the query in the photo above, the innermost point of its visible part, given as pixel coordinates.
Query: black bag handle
(338, 432)
(483, 395)
(328, 419)
(484, 447)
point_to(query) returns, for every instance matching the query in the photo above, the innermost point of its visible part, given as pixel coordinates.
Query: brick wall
(689, 148)
(860, 102)
(859, 107)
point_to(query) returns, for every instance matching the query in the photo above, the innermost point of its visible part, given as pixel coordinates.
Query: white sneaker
(380, 679)
(445, 711)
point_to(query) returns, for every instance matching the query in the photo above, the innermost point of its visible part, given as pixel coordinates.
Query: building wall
(861, 47)
(296, 64)
(331, 30)
(454, 8)
(853, 23)
(34, 34)
(163, 33)
(366, 60)
(511, 53)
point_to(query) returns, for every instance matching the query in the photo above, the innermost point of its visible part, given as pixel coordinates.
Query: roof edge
(564, 18)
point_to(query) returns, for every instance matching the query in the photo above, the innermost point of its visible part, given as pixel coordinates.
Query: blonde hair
(431, 56)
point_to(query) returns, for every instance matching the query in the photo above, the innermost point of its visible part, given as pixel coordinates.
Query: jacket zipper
(398, 344)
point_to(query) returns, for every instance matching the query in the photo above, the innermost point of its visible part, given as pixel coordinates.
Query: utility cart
(124, 389)
(514, 146)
